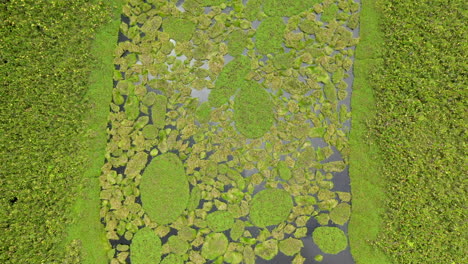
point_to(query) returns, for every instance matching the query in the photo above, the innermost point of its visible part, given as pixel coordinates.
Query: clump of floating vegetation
(331, 240)
(238, 175)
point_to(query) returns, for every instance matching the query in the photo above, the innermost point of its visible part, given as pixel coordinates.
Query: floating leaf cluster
(238, 175)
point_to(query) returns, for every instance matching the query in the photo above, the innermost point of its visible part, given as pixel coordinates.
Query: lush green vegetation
(45, 65)
(145, 247)
(164, 187)
(420, 127)
(330, 240)
(365, 169)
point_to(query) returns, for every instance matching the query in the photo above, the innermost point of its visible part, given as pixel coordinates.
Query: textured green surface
(253, 111)
(179, 29)
(269, 35)
(330, 240)
(145, 247)
(270, 207)
(164, 188)
(220, 221)
(214, 246)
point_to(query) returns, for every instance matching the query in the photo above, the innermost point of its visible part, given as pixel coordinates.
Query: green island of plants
(145, 247)
(164, 188)
(270, 207)
(331, 240)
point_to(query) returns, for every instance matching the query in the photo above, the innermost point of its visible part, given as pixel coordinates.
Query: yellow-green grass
(367, 182)
(86, 226)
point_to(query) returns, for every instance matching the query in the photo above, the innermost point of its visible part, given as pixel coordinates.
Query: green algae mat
(228, 132)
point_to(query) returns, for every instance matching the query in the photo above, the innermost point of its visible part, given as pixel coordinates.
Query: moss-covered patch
(179, 29)
(172, 259)
(267, 250)
(164, 188)
(290, 246)
(269, 36)
(341, 213)
(231, 78)
(220, 221)
(284, 171)
(253, 111)
(177, 245)
(158, 111)
(237, 42)
(330, 240)
(270, 207)
(145, 247)
(215, 245)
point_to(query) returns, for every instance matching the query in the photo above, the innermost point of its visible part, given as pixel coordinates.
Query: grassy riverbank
(45, 65)
(419, 127)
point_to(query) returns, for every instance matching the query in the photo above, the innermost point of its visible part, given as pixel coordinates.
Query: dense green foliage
(145, 247)
(253, 110)
(330, 240)
(421, 129)
(270, 207)
(164, 188)
(44, 67)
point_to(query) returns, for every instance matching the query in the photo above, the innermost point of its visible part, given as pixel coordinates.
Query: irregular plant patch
(331, 240)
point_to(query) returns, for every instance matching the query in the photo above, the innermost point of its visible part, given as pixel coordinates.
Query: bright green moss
(341, 213)
(158, 111)
(269, 35)
(203, 112)
(179, 29)
(237, 41)
(282, 8)
(211, 2)
(172, 259)
(231, 78)
(253, 110)
(145, 247)
(329, 13)
(270, 207)
(215, 245)
(283, 61)
(220, 221)
(290, 246)
(164, 189)
(284, 171)
(132, 107)
(330, 240)
(267, 250)
(177, 245)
